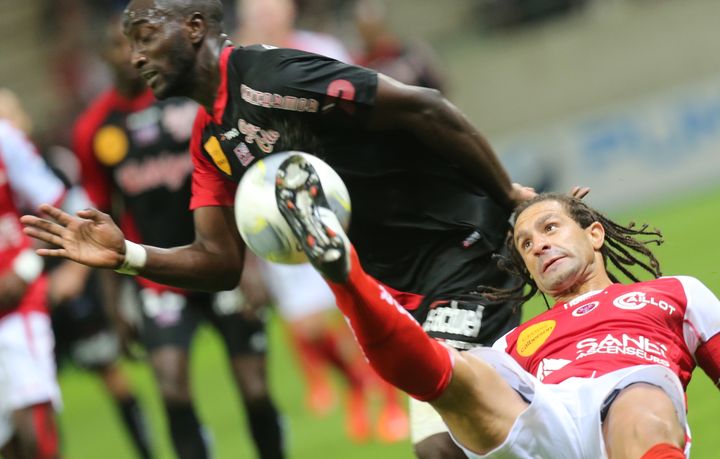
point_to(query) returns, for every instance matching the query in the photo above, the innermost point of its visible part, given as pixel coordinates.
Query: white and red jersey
(663, 321)
(25, 183)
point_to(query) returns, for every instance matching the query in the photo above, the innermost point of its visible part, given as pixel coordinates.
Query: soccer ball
(258, 219)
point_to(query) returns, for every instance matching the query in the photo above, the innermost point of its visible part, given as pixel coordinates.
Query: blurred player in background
(135, 163)
(600, 374)
(29, 393)
(412, 62)
(303, 300)
(84, 334)
(431, 200)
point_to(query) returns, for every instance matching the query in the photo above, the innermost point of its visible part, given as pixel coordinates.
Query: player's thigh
(168, 320)
(479, 406)
(243, 335)
(27, 367)
(640, 416)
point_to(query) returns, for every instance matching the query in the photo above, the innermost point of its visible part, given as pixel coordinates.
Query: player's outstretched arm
(212, 262)
(443, 127)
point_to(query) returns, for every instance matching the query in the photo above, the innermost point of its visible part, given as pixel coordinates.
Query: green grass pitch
(90, 428)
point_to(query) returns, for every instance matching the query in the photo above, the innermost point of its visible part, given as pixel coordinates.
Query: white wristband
(28, 265)
(135, 259)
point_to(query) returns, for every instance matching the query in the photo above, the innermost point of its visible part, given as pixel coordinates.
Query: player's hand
(520, 193)
(90, 238)
(12, 289)
(579, 192)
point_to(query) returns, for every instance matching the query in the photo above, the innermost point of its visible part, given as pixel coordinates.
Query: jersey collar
(222, 93)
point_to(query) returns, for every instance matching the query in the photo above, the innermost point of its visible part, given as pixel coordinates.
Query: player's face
(558, 253)
(161, 49)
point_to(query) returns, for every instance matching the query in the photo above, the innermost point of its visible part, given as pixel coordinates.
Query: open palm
(90, 238)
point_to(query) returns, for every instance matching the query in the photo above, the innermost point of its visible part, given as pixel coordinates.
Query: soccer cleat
(301, 201)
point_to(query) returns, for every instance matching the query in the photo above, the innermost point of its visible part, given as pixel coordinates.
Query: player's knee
(641, 416)
(438, 446)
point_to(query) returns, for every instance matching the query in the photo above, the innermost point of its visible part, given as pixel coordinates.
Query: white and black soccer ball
(258, 219)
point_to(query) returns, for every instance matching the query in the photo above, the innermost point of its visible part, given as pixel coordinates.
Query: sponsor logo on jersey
(212, 146)
(585, 309)
(341, 94)
(534, 336)
(168, 170)
(264, 138)
(243, 154)
(278, 101)
(638, 300)
(229, 135)
(624, 344)
(110, 145)
(547, 366)
(454, 320)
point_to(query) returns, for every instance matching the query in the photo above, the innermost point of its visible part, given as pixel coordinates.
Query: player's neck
(208, 75)
(594, 281)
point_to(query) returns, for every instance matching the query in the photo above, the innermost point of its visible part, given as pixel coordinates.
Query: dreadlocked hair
(623, 247)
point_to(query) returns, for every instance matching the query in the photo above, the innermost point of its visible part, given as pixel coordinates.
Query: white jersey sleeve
(30, 179)
(702, 313)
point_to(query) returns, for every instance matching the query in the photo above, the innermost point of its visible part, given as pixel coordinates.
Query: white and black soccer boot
(301, 201)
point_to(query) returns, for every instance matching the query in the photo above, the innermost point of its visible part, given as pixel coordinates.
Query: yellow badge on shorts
(110, 145)
(533, 337)
(212, 146)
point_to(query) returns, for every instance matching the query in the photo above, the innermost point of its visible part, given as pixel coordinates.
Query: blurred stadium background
(621, 95)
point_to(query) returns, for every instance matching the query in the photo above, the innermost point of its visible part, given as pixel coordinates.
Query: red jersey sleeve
(209, 188)
(95, 178)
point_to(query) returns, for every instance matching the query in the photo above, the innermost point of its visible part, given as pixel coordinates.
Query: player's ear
(596, 233)
(197, 26)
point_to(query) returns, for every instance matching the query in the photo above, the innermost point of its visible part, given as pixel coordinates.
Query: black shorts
(83, 334)
(171, 319)
(463, 320)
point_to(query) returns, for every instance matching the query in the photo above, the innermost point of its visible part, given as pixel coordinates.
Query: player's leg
(245, 341)
(307, 306)
(642, 422)
(28, 388)
(36, 432)
(131, 413)
(168, 327)
(473, 399)
(83, 330)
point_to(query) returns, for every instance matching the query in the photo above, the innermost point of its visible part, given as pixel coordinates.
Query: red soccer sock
(393, 342)
(664, 451)
(45, 431)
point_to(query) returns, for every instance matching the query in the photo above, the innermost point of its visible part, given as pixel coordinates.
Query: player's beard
(180, 80)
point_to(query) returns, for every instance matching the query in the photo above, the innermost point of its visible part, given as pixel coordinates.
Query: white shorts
(298, 290)
(27, 366)
(424, 421)
(563, 420)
